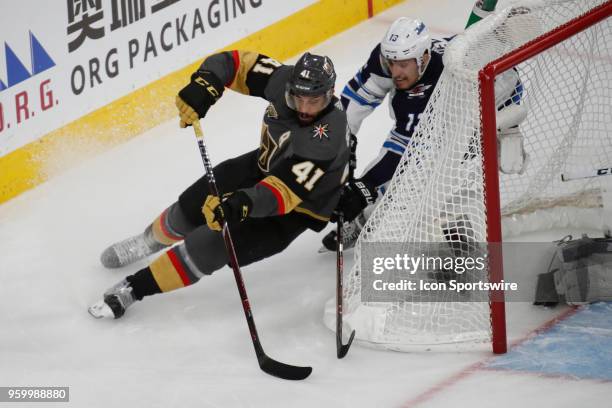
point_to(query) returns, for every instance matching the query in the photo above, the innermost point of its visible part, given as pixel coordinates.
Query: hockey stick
(267, 364)
(576, 175)
(481, 9)
(341, 349)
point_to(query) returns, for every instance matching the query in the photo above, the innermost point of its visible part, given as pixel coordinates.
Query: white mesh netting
(439, 182)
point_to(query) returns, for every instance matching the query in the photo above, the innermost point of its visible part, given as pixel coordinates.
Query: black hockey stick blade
(282, 370)
(344, 348)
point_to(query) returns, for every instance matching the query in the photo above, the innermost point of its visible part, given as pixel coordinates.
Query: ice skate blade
(323, 250)
(101, 310)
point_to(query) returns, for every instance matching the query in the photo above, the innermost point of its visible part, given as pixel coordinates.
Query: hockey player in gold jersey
(269, 196)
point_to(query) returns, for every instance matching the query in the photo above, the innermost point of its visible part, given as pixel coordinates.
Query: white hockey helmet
(406, 39)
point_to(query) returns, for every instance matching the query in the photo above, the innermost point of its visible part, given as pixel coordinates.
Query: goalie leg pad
(512, 156)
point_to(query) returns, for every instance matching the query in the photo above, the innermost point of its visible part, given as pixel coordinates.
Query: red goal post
(489, 140)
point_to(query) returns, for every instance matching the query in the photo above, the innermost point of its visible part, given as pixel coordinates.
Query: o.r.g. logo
(22, 105)
(16, 70)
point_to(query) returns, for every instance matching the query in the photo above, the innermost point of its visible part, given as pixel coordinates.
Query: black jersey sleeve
(246, 72)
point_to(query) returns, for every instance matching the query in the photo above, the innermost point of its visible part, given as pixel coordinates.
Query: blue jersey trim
(359, 99)
(396, 147)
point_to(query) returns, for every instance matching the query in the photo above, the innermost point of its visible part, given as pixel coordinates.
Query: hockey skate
(115, 301)
(350, 233)
(131, 250)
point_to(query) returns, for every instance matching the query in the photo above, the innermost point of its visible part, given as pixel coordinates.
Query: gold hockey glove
(234, 208)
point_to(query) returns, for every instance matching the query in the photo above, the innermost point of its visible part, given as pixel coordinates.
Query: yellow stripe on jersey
(288, 200)
(245, 60)
(311, 214)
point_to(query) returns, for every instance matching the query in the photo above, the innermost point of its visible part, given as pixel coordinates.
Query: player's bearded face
(404, 73)
(308, 107)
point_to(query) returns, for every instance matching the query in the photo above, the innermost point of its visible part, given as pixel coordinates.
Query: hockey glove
(356, 195)
(233, 208)
(194, 100)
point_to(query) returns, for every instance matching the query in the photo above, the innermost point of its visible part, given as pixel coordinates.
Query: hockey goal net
(562, 52)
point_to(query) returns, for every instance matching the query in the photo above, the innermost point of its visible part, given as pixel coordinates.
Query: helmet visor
(305, 103)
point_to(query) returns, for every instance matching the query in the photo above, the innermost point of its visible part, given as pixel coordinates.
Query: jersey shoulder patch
(271, 111)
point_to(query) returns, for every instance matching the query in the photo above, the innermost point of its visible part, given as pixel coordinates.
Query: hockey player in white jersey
(406, 65)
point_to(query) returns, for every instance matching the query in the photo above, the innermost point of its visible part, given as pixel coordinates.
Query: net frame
(490, 176)
(486, 78)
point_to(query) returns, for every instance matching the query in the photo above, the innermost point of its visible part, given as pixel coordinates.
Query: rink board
(147, 106)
